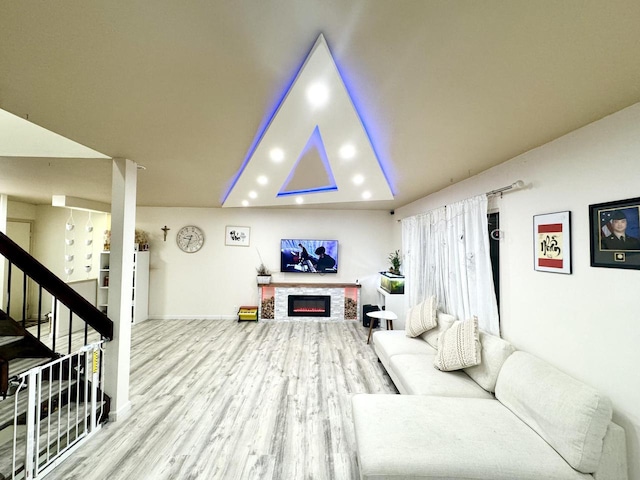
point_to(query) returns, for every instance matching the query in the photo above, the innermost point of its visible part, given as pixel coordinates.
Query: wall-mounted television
(308, 256)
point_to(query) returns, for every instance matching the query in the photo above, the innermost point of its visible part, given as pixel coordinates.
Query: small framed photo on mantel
(552, 242)
(615, 234)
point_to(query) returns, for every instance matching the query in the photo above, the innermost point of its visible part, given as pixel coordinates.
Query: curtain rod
(514, 185)
(518, 184)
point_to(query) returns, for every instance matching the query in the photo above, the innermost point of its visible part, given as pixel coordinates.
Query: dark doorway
(494, 251)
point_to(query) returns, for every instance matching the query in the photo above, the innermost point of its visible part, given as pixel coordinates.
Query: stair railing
(65, 407)
(44, 279)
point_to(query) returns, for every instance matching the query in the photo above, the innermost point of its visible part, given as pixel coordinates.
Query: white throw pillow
(421, 317)
(444, 322)
(459, 346)
(495, 351)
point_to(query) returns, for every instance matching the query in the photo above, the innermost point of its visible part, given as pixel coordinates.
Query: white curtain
(447, 255)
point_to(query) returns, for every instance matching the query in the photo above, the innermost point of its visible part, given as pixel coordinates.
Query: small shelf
(140, 290)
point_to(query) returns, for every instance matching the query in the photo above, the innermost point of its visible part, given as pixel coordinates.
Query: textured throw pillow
(459, 346)
(421, 317)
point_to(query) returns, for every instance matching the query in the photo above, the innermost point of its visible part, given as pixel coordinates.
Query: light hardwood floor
(228, 400)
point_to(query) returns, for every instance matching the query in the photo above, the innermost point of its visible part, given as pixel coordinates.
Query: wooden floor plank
(228, 400)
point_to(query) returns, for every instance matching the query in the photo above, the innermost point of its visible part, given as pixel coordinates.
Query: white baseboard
(193, 317)
(121, 414)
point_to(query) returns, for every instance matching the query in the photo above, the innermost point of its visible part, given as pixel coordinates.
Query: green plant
(395, 261)
(263, 270)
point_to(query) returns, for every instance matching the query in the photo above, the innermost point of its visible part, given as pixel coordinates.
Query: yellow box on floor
(248, 313)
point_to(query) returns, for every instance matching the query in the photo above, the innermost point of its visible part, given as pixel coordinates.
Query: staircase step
(8, 326)
(21, 365)
(8, 405)
(25, 347)
(69, 417)
(6, 340)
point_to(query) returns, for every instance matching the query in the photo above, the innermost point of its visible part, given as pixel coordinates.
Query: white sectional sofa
(511, 417)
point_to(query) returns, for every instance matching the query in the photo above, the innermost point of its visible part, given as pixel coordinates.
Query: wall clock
(190, 239)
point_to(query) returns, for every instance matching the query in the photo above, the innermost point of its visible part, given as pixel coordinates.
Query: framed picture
(552, 242)
(615, 234)
(237, 236)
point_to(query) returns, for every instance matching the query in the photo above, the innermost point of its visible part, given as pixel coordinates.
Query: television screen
(308, 256)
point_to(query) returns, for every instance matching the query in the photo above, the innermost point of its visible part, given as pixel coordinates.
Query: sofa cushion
(459, 346)
(571, 416)
(444, 322)
(495, 351)
(388, 343)
(421, 317)
(426, 437)
(417, 376)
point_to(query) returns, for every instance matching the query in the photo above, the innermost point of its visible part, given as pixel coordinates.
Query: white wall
(586, 323)
(21, 211)
(215, 281)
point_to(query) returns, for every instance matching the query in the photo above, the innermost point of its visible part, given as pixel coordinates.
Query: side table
(382, 315)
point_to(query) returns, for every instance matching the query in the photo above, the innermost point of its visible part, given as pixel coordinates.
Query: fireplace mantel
(310, 285)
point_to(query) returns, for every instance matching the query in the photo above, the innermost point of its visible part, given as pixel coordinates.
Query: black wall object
(365, 319)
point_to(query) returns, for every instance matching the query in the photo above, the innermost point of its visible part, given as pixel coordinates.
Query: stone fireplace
(309, 302)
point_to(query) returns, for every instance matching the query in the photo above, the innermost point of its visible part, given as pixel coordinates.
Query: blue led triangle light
(307, 160)
(267, 179)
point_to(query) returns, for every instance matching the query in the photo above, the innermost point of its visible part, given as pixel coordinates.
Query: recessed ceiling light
(317, 94)
(276, 154)
(245, 203)
(358, 179)
(299, 200)
(253, 194)
(263, 180)
(366, 194)
(347, 151)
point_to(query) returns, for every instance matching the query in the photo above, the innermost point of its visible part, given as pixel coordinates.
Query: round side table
(381, 315)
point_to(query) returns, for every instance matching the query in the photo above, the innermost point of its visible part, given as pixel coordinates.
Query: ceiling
(446, 89)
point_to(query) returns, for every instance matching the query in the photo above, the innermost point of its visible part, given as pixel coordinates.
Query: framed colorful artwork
(552, 242)
(237, 236)
(615, 234)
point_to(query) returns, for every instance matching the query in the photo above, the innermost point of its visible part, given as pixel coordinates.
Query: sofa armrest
(613, 463)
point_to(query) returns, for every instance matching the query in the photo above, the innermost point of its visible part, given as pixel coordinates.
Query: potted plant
(264, 275)
(394, 259)
(142, 240)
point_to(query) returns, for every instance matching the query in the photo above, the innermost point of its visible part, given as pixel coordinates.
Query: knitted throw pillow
(421, 317)
(459, 346)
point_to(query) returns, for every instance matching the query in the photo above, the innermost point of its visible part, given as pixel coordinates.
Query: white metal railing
(62, 411)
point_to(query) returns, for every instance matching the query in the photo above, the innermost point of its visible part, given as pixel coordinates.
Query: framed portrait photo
(552, 242)
(237, 236)
(614, 230)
